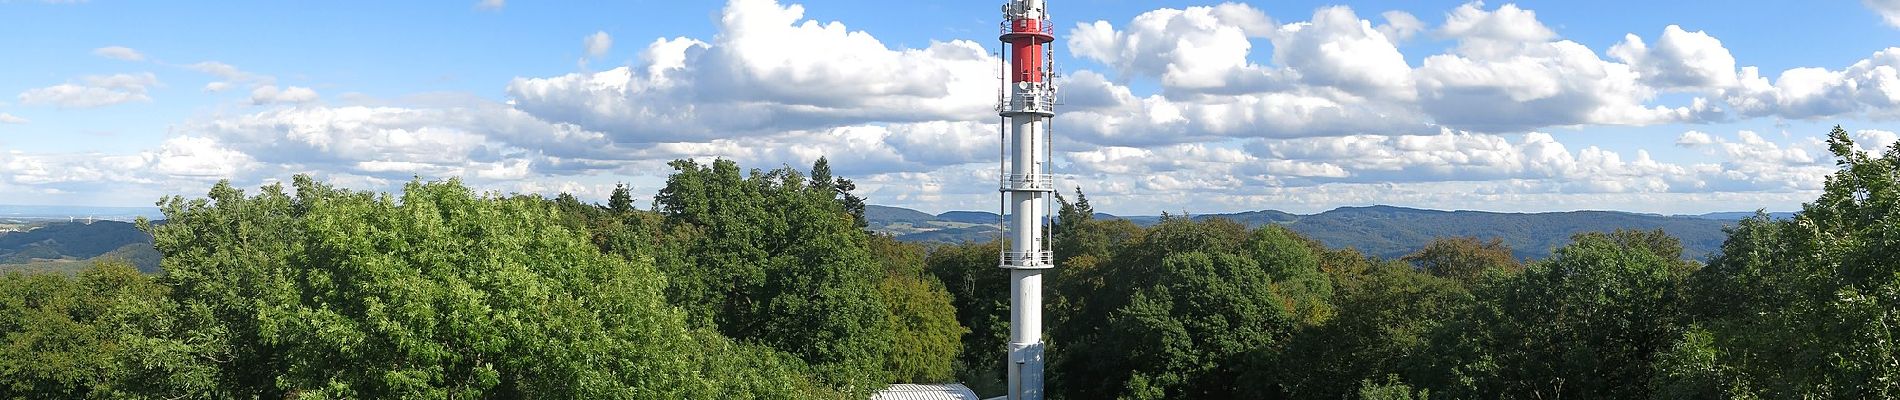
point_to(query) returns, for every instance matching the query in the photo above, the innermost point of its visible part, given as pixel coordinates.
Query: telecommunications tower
(1027, 104)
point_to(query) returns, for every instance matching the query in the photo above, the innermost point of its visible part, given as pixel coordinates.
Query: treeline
(736, 286)
(764, 284)
(1807, 307)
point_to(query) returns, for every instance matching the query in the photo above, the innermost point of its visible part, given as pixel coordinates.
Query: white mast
(1026, 186)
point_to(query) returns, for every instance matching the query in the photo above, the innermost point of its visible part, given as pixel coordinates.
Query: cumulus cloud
(1339, 50)
(1212, 108)
(291, 95)
(768, 70)
(119, 53)
(1509, 73)
(229, 76)
(1873, 140)
(1400, 26)
(1889, 10)
(1750, 164)
(1194, 49)
(1869, 87)
(598, 44)
(1679, 60)
(6, 118)
(94, 91)
(399, 141)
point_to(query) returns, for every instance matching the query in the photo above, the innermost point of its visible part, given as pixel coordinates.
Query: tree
(1181, 311)
(1387, 312)
(1468, 259)
(621, 201)
(436, 293)
(979, 292)
(1809, 306)
(775, 259)
(926, 335)
(82, 337)
(1587, 323)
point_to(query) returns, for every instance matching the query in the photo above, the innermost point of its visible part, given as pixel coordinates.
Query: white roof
(907, 391)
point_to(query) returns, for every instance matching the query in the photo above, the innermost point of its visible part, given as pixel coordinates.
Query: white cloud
(1339, 50)
(1752, 164)
(119, 53)
(1751, 148)
(1489, 32)
(768, 70)
(1695, 138)
(1186, 114)
(1400, 26)
(1875, 141)
(598, 44)
(290, 95)
(1889, 10)
(6, 118)
(94, 91)
(491, 5)
(1507, 74)
(197, 157)
(1196, 49)
(230, 76)
(1679, 60)
(1870, 87)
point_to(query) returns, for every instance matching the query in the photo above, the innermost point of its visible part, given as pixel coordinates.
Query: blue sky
(1173, 106)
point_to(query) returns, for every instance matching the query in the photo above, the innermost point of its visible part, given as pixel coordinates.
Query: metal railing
(1044, 26)
(1039, 99)
(1029, 182)
(1028, 259)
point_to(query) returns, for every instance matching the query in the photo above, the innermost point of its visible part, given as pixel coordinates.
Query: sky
(1184, 107)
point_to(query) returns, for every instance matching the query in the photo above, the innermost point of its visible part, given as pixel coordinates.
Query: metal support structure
(1027, 104)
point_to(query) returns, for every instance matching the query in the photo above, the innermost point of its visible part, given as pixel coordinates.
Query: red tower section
(1026, 38)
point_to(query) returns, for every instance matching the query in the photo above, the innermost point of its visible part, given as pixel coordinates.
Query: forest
(764, 284)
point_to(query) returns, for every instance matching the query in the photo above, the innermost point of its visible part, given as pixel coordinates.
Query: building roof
(907, 391)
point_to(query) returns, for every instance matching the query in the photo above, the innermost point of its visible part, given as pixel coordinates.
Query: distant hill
(1737, 216)
(1387, 231)
(69, 246)
(63, 213)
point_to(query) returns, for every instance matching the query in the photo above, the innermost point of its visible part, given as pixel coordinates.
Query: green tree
(1183, 309)
(621, 201)
(438, 292)
(1387, 311)
(926, 335)
(1810, 306)
(1587, 323)
(775, 259)
(979, 292)
(1468, 259)
(82, 337)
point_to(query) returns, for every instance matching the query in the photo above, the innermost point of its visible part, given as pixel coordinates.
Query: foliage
(1184, 306)
(1584, 324)
(1465, 259)
(1809, 306)
(82, 337)
(979, 292)
(437, 293)
(775, 259)
(925, 332)
(1391, 389)
(1386, 313)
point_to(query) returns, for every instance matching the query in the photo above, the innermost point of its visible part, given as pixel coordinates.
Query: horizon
(155, 210)
(1303, 106)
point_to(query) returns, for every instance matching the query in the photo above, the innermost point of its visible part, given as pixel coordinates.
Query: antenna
(1027, 105)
